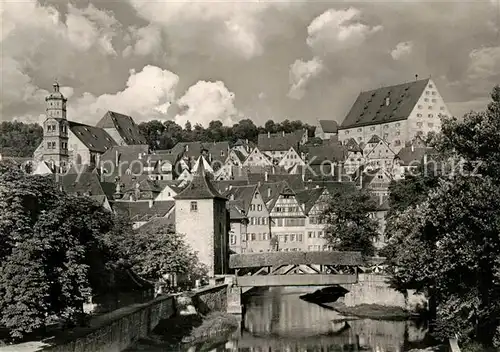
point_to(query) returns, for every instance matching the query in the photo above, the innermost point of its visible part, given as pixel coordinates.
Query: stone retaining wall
(375, 289)
(116, 331)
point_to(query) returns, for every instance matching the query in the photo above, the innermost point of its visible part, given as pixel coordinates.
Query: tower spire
(55, 85)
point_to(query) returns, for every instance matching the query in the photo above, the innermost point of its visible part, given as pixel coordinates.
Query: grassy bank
(214, 325)
(371, 311)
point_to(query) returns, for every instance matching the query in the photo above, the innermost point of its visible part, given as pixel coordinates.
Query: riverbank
(369, 311)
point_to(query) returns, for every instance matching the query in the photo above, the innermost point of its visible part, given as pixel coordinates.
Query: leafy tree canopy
(18, 139)
(445, 234)
(52, 253)
(348, 226)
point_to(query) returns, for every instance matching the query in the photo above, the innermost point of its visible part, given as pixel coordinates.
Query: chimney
(283, 133)
(387, 101)
(412, 147)
(246, 141)
(140, 156)
(186, 148)
(266, 176)
(117, 158)
(425, 159)
(231, 197)
(230, 187)
(269, 192)
(150, 203)
(268, 134)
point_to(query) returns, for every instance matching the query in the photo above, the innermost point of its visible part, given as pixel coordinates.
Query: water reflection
(277, 321)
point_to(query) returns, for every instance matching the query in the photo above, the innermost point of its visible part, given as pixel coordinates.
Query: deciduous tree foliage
(19, 139)
(448, 242)
(51, 252)
(154, 252)
(348, 225)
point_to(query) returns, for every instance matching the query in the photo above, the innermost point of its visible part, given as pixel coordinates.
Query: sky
(227, 60)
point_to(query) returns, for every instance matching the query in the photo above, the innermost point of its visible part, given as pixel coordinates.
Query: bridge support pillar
(234, 300)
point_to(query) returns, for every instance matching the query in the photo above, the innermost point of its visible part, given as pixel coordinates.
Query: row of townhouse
(273, 217)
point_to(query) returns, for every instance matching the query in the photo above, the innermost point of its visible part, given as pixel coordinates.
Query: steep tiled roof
(126, 155)
(279, 142)
(293, 180)
(200, 187)
(352, 146)
(243, 194)
(142, 211)
(158, 222)
(125, 125)
(239, 155)
(223, 186)
(217, 150)
(374, 139)
(324, 153)
(80, 183)
(332, 187)
(370, 107)
(409, 155)
(269, 191)
(309, 197)
(329, 126)
(236, 209)
(94, 138)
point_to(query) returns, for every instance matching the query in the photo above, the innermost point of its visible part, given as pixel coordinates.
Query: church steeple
(55, 131)
(56, 103)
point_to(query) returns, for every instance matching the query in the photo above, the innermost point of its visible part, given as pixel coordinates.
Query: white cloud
(401, 50)
(148, 40)
(483, 71)
(206, 101)
(337, 30)
(148, 95)
(301, 73)
(204, 27)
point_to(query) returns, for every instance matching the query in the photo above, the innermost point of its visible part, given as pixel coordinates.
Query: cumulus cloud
(401, 50)
(64, 47)
(147, 40)
(484, 68)
(205, 27)
(301, 73)
(204, 102)
(337, 30)
(148, 94)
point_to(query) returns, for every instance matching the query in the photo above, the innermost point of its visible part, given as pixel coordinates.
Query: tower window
(194, 206)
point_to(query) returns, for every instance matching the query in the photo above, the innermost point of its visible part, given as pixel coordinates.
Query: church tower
(55, 131)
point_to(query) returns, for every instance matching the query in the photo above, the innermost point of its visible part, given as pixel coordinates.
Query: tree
(51, 252)
(154, 252)
(348, 225)
(448, 245)
(18, 139)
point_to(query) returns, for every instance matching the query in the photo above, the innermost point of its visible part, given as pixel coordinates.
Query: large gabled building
(397, 114)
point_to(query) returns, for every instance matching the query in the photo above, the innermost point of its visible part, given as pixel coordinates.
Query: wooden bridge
(295, 268)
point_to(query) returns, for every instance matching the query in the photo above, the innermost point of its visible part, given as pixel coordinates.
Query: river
(278, 320)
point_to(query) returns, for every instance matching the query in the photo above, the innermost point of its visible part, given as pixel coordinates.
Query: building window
(433, 100)
(398, 124)
(441, 108)
(49, 145)
(427, 92)
(233, 239)
(360, 139)
(360, 130)
(419, 124)
(346, 132)
(372, 128)
(426, 99)
(430, 86)
(420, 106)
(431, 124)
(194, 206)
(430, 107)
(259, 207)
(433, 93)
(430, 115)
(397, 142)
(419, 115)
